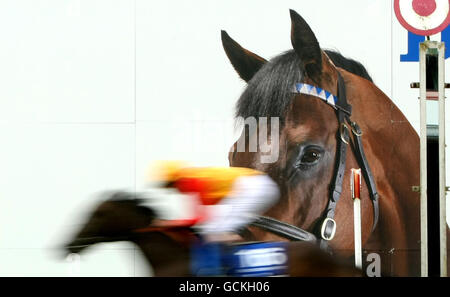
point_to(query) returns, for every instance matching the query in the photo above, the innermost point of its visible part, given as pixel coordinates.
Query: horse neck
(166, 256)
(392, 149)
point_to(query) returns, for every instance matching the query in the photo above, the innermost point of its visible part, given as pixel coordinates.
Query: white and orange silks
(216, 199)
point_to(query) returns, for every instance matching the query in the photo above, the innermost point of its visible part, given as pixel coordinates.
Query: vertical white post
(423, 161)
(442, 181)
(358, 248)
(355, 185)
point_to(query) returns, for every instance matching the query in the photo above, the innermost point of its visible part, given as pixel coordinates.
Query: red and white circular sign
(423, 17)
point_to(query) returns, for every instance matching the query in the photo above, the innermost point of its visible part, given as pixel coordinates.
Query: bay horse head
(309, 143)
(112, 220)
(123, 217)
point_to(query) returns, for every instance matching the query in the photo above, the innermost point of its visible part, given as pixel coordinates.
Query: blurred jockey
(222, 200)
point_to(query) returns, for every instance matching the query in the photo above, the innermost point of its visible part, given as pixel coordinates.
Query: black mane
(348, 64)
(269, 92)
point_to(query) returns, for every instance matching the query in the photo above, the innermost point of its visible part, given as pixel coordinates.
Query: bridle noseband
(328, 224)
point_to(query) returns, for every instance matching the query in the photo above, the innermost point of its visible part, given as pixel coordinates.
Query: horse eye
(310, 157)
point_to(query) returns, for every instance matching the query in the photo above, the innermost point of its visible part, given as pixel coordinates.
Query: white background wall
(91, 92)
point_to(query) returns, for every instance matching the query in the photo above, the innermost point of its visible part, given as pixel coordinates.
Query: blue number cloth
(248, 259)
(257, 259)
(206, 259)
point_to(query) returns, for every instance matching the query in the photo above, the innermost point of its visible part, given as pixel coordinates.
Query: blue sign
(413, 45)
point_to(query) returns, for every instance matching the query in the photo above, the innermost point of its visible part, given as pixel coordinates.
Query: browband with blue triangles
(329, 98)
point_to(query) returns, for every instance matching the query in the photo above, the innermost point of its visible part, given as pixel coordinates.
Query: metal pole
(442, 181)
(423, 161)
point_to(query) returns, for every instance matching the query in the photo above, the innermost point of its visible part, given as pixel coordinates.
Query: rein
(328, 225)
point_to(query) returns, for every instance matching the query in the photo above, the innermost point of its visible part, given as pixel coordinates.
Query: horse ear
(306, 46)
(244, 62)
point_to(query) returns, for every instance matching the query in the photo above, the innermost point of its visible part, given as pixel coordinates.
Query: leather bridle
(328, 224)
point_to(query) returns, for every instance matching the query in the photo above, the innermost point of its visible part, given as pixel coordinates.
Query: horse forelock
(269, 92)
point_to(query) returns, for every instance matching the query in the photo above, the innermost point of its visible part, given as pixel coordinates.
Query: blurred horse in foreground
(167, 249)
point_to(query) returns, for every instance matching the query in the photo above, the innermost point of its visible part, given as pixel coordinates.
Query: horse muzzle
(81, 243)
